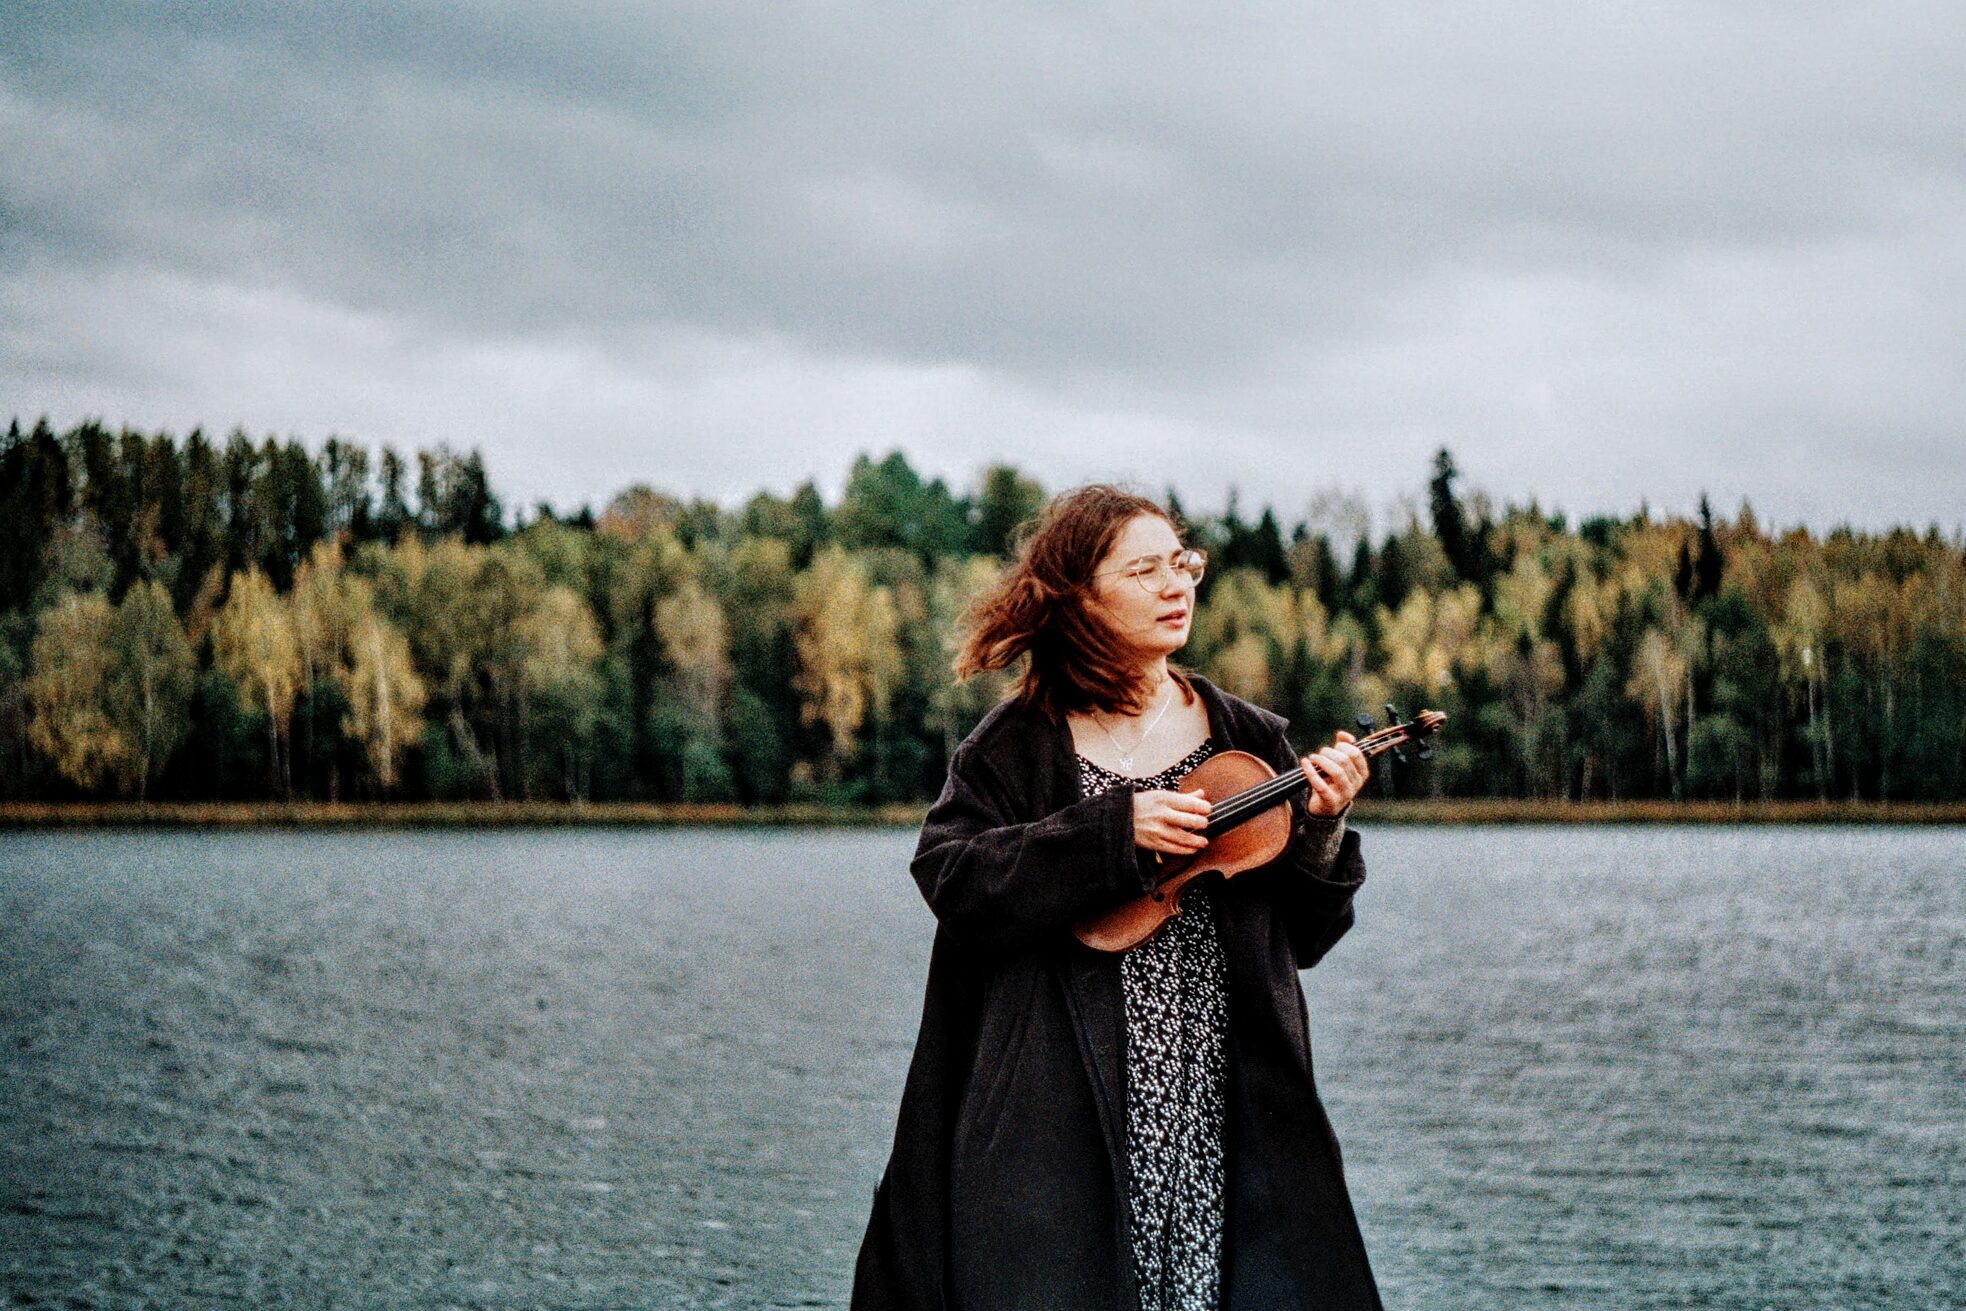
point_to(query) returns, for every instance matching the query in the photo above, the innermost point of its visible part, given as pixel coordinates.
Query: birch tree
(70, 719)
(151, 674)
(562, 681)
(379, 682)
(696, 647)
(254, 643)
(848, 661)
(1657, 679)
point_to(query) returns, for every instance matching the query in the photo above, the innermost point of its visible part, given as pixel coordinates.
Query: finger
(1336, 767)
(1190, 801)
(1180, 841)
(1343, 736)
(1344, 761)
(1187, 825)
(1329, 800)
(1318, 771)
(1361, 766)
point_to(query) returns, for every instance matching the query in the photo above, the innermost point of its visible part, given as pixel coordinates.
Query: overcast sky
(1605, 253)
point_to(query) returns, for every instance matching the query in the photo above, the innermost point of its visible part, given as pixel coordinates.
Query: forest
(240, 619)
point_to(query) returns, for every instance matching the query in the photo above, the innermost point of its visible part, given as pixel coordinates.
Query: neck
(1154, 672)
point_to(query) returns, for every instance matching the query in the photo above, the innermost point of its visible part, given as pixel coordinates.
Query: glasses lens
(1155, 577)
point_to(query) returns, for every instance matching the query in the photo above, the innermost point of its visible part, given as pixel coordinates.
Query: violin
(1250, 827)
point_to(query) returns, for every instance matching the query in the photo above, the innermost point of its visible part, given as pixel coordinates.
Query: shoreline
(535, 814)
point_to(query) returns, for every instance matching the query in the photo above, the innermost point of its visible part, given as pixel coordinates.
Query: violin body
(1256, 841)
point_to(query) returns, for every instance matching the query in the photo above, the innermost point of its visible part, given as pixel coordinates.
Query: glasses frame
(1155, 579)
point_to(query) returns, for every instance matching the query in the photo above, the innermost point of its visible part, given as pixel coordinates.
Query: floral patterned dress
(1177, 1017)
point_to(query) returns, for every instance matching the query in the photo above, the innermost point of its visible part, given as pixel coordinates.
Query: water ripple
(1617, 1068)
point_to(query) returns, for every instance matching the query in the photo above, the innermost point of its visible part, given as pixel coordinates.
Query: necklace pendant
(1126, 763)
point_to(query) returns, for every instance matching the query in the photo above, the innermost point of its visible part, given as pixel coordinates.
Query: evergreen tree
(473, 510)
(429, 494)
(393, 512)
(700, 523)
(1266, 548)
(1682, 574)
(1450, 528)
(35, 500)
(1707, 565)
(203, 550)
(1235, 549)
(814, 526)
(1362, 595)
(350, 505)
(887, 504)
(1006, 501)
(1313, 568)
(1391, 573)
(293, 509)
(165, 514)
(102, 494)
(240, 480)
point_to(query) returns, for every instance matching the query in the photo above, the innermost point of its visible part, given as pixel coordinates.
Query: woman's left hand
(1336, 772)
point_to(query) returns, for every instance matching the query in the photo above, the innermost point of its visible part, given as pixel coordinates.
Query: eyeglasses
(1153, 572)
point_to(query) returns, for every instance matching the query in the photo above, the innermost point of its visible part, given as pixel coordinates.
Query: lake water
(1594, 1068)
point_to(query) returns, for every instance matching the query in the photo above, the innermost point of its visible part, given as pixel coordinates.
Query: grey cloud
(703, 163)
(1246, 223)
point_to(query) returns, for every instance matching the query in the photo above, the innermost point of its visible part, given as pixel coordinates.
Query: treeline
(241, 620)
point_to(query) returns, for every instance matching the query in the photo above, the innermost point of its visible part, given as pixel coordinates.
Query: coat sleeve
(999, 883)
(1313, 881)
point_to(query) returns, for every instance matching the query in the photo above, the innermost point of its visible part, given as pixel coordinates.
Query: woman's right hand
(1170, 821)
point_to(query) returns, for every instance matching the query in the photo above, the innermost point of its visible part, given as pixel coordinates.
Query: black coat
(1006, 1187)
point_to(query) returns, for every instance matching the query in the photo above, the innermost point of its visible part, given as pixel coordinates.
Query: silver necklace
(1126, 756)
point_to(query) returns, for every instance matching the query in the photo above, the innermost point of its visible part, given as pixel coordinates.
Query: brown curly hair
(1039, 608)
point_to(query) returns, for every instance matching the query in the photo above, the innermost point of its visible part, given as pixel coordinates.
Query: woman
(1082, 1129)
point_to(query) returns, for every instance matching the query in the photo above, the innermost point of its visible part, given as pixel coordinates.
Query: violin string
(1240, 806)
(1251, 800)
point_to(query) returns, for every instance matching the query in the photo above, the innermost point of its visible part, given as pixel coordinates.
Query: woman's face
(1154, 620)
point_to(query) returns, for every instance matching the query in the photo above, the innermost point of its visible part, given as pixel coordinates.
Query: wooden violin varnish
(1250, 828)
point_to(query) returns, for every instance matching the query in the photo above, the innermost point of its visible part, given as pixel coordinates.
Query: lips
(1173, 616)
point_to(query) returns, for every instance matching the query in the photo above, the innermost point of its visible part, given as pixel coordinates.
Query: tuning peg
(1392, 715)
(1365, 723)
(1426, 752)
